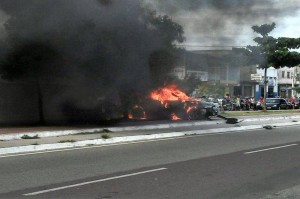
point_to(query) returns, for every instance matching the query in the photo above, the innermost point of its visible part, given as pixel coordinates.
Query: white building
(272, 86)
(287, 79)
(179, 72)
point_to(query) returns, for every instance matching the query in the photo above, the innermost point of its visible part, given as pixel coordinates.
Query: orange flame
(172, 93)
(137, 112)
(169, 93)
(165, 96)
(190, 108)
(175, 117)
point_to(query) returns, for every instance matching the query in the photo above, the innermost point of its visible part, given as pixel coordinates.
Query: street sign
(256, 77)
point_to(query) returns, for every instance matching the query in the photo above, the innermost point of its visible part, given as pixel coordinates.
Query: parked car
(212, 108)
(290, 104)
(274, 103)
(202, 110)
(211, 105)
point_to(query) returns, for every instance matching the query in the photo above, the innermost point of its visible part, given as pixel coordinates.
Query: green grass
(105, 136)
(250, 113)
(30, 137)
(65, 141)
(94, 132)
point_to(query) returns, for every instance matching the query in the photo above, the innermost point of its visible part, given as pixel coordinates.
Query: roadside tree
(271, 52)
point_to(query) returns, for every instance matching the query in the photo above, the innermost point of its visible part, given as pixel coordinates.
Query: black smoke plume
(102, 47)
(225, 22)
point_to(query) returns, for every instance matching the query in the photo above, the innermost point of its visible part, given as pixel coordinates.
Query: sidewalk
(54, 138)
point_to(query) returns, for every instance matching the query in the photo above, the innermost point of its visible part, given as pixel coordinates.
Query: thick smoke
(225, 22)
(102, 50)
(3, 18)
(89, 34)
(103, 45)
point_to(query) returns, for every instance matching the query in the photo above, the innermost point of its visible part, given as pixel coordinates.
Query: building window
(282, 74)
(288, 75)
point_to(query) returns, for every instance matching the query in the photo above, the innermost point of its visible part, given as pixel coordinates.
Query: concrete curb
(16, 136)
(116, 140)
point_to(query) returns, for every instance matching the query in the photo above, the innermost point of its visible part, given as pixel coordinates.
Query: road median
(140, 136)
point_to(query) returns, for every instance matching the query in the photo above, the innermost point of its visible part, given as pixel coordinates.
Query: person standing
(238, 103)
(247, 103)
(252, 103)
(292, 101)
(261, 102)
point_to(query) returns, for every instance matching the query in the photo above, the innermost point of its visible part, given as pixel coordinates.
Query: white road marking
(91, 182)
(268, 149)
(88, 147)
(126, 143)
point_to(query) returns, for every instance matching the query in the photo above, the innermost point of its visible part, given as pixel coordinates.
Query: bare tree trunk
(40, 102)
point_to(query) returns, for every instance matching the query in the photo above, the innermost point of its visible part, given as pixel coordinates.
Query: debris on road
(268, 127)
(230, 120)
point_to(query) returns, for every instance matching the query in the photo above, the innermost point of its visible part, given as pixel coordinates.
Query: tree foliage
(270, 51)
(170, 31)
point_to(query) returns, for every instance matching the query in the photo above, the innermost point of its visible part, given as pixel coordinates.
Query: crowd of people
(239, 103)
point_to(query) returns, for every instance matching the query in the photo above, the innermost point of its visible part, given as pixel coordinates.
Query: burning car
(212, 109)
(93, 110)
(170, 102)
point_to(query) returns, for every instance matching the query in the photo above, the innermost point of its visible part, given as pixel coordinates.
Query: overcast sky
(228, 22)
(224, 22)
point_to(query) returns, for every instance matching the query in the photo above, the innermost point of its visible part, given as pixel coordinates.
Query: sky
(223, 22)
(228, 22)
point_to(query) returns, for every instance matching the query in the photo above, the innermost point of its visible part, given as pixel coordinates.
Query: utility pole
(294, 79)
(265, 89)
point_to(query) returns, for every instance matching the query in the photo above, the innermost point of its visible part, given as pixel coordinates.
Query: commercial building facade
(288, 78)
(272, 83)
(219, 68)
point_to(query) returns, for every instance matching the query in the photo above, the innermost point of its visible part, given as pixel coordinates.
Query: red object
(261, 100)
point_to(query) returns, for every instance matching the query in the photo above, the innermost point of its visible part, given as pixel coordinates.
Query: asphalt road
(253, 164)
